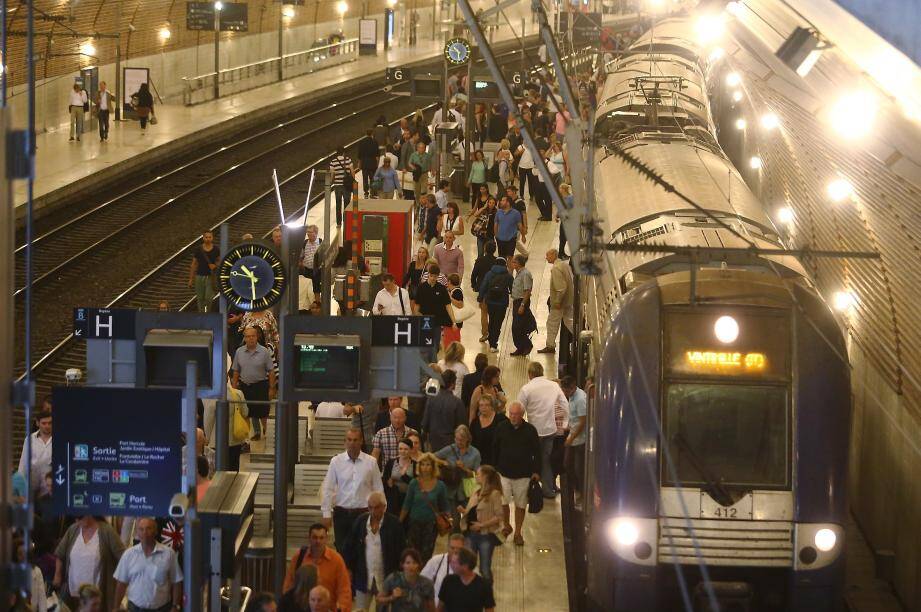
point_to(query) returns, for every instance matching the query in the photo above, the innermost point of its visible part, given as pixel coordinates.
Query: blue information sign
(116, 451)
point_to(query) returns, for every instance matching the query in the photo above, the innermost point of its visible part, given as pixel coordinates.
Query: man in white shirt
(308, 258)
(75, 104)
(541, 398)
(40, 459)
(439, 566)
(392, 299)
(330, 410)
(449, 256)
(104, 102)
(149, 573)
(525, 175)
(351, 478)
(441, 196)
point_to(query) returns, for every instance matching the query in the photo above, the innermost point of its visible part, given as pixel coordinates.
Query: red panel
(399, 239)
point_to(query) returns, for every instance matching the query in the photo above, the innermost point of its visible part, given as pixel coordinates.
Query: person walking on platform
(145, 105)
(523, 322)
(432, 299)
(425, 496)
(351, 478)
(386, 443)
(332, 573)
(420, 163)
(494, 292)
(541, 399)
(449, 256)
(76, 105)
(575, 441)
(309, 268)
(204, 263)
(428, 217)
(148, 573)
(340, 169)
(481, 266)
(387, 179)
(560, 303)
(368, 152)
(509, 225)
(391, 299)
(104, 103)
(254, 375)
(439, 565)
(516, 450)
(372, 551)
(464, 590)
(443, 413)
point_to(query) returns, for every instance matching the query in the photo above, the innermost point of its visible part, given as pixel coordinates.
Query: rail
(198, 89)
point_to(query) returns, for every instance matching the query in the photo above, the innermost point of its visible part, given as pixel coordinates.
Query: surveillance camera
(432, 387)
(73, 375)
(178, 506)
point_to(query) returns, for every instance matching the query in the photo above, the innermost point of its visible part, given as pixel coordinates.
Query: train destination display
(116, 451)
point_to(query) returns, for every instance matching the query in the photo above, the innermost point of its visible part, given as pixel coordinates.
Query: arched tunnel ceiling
(801, 158)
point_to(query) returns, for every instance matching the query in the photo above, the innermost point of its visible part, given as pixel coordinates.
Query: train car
(718, 432)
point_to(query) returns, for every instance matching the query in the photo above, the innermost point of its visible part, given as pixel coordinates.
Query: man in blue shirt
(508, 225)
(575, 441)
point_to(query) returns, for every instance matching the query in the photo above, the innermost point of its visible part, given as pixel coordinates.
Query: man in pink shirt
(449, 256)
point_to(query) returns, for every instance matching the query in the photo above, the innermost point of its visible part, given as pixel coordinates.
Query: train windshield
(728, 435)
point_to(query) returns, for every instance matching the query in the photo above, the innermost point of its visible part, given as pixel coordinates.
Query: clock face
(457, 51)
(251, 276)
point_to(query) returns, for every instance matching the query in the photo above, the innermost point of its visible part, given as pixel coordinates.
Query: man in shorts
(516, 448)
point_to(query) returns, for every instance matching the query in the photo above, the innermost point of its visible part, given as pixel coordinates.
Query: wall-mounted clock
(252, 277)
(457, 51)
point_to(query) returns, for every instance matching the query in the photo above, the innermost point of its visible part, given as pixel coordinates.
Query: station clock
(457, 51)
(251, 276)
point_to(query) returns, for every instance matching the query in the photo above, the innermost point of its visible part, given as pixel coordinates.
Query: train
(718, 431)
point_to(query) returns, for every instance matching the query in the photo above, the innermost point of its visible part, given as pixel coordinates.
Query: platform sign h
(402, 331)
(104, 323)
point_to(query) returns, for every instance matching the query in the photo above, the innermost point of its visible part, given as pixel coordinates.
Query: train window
(759, 348)
(736, 435)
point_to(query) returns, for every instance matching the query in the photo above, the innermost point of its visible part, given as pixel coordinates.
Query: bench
(308, 480)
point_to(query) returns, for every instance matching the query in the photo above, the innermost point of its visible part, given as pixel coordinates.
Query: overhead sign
(403, 331)
(233, 16)
(116, 451)
(398, 75)
(199, 15)
(104, 323)
(586, 27)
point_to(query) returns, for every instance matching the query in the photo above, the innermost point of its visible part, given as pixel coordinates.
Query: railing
(200, 88)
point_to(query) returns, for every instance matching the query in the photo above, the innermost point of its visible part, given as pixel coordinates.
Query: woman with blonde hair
(426, 499)
(417, 268)
(504, 158)
(481, 519)
(454, 360)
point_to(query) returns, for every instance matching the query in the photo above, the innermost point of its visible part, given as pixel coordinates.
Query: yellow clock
(251, 276)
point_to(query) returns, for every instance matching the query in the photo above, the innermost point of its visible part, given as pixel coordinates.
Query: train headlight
(726, 329)
(825, 539)
(622, 532)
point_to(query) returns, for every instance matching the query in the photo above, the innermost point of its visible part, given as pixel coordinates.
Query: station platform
(64, 167)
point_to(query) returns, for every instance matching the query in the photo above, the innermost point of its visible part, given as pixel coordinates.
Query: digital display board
(726, 343)
(116, 451)
(485, 89)
(327, 362)
(427, 87)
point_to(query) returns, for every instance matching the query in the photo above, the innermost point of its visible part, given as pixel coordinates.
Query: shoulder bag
(462, 314)
(443, 521)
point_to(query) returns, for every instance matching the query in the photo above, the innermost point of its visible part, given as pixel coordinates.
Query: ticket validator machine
(385, 237)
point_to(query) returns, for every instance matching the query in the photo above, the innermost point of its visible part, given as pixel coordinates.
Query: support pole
(222, 408)
(217, 53)
(281, 41)
(280, 505)
(119, 96)
(7, 359)
(326, 299)
(191, 564)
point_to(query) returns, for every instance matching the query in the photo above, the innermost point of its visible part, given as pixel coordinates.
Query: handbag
(470, 487)
(535, 497)
(443, 521)
(239, 424)
(86, 107)
(480, 226)
(462, 314)
(153, 118)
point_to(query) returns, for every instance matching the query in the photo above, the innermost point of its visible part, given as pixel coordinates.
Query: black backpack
(498, 287)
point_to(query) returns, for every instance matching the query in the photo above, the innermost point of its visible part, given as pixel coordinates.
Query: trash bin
(258, 565)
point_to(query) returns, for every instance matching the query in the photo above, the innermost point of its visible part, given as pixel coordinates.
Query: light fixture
(734, 8)
(287, 11)
(622, 532)
(165, 33)
(825, 539)
(218, 5)
(716, 54)
(88, 48)
(852, 116)
(342, 7)
(737, 96)
(785, 215)
(709, 28)
(733, 79)
(391, 3)
(755, 163)
(741, 123)
(770, 121)
(839, 190)
(726, 329)
(843, 300)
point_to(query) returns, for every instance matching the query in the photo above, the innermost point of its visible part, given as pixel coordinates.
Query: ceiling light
(716, 54)
(737, 96)
(810, 61)
(165, 33)
(709, 28)
(287, 11)
(342, 7)
(840, 189)
(785, 215)
(843, 300)
(733, 79)
(770, 121)
(755, 163)
(218, 5)
(88, 48)
(734, 8)
(726, 329)
(852, 116)
(741, 123)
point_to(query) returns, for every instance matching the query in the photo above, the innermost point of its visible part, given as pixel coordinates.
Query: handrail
(274, 58)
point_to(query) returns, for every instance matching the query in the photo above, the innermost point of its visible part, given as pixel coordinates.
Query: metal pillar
(222, 408)
(217, 53)
(7, 360)
(281, 41)
(326, 299)
(191, 564)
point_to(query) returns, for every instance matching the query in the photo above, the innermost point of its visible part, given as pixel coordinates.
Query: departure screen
(728, 343)
(327, 366)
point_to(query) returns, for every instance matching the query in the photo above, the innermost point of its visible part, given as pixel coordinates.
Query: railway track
(157, 223)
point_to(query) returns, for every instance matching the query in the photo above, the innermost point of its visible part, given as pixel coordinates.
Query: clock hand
(248, 272)
(252, 280)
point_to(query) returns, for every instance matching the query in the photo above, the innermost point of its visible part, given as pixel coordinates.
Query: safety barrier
(198, 89)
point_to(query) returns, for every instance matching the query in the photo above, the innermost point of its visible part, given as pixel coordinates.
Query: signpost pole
(222, 408)
(326, 296)
(7, 361)
(281, 41)
(217, 53)
(191, 563)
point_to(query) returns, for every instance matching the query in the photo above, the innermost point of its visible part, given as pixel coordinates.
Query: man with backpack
(331, 569)
(494, 292)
